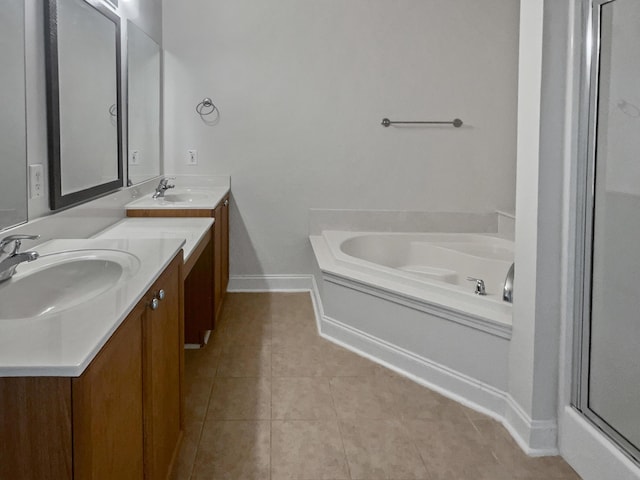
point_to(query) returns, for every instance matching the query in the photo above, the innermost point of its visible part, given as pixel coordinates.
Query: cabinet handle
(226, 203)
(154, 304)
(161, 295)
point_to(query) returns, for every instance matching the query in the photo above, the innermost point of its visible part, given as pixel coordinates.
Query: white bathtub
(403, 300)
(428, 266)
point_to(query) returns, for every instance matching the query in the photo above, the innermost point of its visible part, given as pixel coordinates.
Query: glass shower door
(610, 389)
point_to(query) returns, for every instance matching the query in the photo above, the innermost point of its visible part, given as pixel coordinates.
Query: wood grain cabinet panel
(162, 358)
(107, 409)
(35, 414)
(121, 419)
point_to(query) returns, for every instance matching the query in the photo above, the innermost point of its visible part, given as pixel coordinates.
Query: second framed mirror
(143, 103)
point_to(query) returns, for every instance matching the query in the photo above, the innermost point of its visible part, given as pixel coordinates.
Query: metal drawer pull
(154, 304)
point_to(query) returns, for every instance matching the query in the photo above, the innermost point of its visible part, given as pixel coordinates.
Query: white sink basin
(186, 197)
(182, 197)
(58, 281)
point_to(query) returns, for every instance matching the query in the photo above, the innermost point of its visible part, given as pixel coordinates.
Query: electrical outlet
(192, 157)
(36, 180)
(134, 158)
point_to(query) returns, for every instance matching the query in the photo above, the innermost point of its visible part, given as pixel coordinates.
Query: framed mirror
(13, 150)
(83, 95)
(143, 94)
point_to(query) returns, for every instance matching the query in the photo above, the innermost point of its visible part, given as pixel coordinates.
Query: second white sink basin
(59, 281)
(186, 197)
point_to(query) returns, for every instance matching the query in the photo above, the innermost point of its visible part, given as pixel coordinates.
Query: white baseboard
(270, 283)
(538, 438)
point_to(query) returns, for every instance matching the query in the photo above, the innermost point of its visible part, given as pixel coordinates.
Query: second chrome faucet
(163, 186)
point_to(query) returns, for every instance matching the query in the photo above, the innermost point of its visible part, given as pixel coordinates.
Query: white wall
(303, 86)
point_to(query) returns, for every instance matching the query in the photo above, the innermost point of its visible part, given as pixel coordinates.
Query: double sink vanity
(92, 338)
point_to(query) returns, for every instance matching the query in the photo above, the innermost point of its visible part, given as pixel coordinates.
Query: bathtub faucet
(507, 290)
(480, 289)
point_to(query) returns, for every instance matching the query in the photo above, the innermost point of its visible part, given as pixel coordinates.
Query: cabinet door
(162, 346)
(107, 409)
(35, 428)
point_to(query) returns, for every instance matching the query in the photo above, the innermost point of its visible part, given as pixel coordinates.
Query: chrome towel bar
(456, 122)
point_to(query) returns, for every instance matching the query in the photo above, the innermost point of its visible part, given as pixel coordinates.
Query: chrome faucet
(507, 290)
(10, 257)
(163, 186)
(480, 288)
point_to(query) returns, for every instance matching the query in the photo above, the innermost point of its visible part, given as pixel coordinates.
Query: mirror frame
(56, 198)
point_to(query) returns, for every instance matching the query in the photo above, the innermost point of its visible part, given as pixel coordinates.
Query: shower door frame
(588, 129)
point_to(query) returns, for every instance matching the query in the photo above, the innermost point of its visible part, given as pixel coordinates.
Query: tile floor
(267, 398)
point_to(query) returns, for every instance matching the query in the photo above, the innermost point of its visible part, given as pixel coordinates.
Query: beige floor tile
(515, 461)
(240, 399)
(362, 397)
(301, 398)
(383, 416)
(287, 335)
(196, 400)
(234, 450)
(297, 361)
(253, 332)
(201, 362)
(304, 450)
(380, 449)
(293, 308)
(187, 454)
(246, 306)
(340, 362)
(450, 450)
(245, 361)
(413, 401)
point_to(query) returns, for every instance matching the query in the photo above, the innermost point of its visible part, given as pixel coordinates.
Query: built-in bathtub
(403, 299)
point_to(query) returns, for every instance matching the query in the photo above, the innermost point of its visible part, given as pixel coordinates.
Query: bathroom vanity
(95, 390)
(214, 260)
(198, 270)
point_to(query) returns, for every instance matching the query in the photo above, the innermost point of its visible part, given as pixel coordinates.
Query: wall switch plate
(36, 180)
(134, 157)
(192, 157)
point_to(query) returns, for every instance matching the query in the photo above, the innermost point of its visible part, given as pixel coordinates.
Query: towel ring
(206, 107)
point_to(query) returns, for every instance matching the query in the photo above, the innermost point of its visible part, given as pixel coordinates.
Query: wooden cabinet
(122, 418)
(205, 285)
(107, 408)
(162, 364)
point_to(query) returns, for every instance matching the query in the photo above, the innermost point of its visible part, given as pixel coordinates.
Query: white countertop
(64, 343)
(206, 198)
(192, 230)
